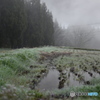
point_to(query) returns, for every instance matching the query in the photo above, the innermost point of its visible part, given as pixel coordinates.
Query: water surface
(50, 81)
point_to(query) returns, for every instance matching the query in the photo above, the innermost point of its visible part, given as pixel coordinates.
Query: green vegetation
(22, 69)
(25, 23)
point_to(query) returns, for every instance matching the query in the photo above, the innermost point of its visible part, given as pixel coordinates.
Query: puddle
(50, 81)
(89, 77)
(58, 80)
(73, 81)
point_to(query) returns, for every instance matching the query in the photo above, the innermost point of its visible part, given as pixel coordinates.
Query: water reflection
(50, 81)
(58, 80)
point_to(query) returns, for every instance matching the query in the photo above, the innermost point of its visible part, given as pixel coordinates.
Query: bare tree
(79, 36)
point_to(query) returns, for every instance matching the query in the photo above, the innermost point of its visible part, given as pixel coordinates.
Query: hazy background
(32, 23)
(75, 11)
(72, 12)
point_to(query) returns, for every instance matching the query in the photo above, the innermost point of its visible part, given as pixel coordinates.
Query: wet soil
(56, 78)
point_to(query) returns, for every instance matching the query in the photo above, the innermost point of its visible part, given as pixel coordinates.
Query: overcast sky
(71, 12)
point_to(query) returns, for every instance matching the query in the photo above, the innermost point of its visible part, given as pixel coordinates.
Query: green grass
(15, 63)
(80, 48)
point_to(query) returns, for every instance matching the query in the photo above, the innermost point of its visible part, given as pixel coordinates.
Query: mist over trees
(75, 36)
(28, 23)
(58, 34)
(79, 36)
(25, 23)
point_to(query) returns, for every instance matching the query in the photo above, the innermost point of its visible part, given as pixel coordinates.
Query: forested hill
(25, 23)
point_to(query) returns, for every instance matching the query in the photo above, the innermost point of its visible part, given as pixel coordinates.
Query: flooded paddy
(50, 81)
(49, 71)
(65, 70)
(55, 79)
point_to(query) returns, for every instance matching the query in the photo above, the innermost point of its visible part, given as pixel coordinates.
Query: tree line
(80, 36)
(28, 23)
(25, 23)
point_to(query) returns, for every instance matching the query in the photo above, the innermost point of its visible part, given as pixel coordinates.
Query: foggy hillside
(77, 12)
(35, 23)
(49, 49)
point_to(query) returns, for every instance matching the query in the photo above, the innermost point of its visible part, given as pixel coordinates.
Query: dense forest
(25, 23)
(29, 23)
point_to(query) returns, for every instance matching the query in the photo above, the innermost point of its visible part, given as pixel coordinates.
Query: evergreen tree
(12, 22)
(25, 23)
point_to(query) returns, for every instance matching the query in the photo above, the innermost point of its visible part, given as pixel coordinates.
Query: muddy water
(51, 81)
(88, 77)
(73, 81)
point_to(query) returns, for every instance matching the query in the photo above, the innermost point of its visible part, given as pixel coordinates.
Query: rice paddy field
(49, 73)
